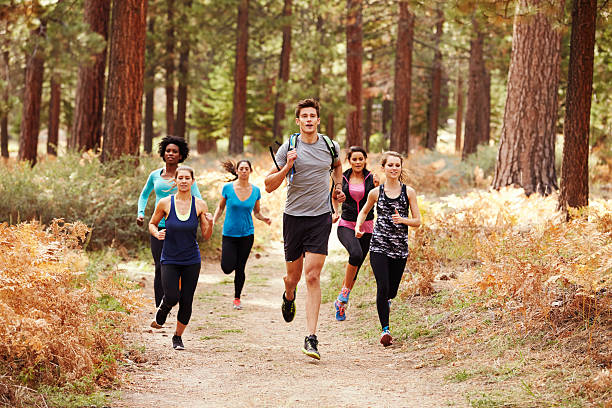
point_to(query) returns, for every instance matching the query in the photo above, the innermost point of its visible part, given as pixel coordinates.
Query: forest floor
(253, 358)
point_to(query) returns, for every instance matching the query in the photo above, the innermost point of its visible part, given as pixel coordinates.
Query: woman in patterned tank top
(396, 210)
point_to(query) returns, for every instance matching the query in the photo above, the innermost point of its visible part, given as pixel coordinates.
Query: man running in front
(307, 219)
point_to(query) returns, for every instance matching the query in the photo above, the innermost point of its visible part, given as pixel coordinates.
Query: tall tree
(169, 67)
(433, 110)
(149, 87)
(236, 142)
(87, 126)
(283, 72)
(400, 126)
(459, 117)
(123, 117)
(54, 115)
(575, 168)
(476, 117)
(354, 61)
(30, 118)
(526, 154)
(5, 111)
(368, 121)
(183, 77)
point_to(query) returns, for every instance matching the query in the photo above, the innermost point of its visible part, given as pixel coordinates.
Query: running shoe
(160, 317)
(288, 308)
(340, 310)
(237, 304)
(385, 338)
(343, 296)
(177, 343)
(310, 347)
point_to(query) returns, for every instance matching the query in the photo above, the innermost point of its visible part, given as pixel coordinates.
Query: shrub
(57, 327)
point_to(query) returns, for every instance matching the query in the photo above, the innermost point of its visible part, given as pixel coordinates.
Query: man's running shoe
(343, 296)
(177, 343)
(288, 308)
(237, 304)
(310, 347)
(160, 317)
(340, 310)
(385, 338)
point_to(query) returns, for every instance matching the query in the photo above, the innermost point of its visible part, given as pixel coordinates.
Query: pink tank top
(357, 191)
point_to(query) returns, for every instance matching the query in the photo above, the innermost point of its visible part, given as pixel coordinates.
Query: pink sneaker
(237, 304)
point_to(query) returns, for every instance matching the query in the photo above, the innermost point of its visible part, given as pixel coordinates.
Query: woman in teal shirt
(241, 199)
(173, 151)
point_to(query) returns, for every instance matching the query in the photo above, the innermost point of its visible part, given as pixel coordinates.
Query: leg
(396, 271)
(229, 254)
(313, 263)
(156, 250)
(170, 276)
(351, 243)
(380, 267)
(293, 276)
(189, 279)
(244, 249)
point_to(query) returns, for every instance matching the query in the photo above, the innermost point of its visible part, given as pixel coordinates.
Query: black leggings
(357, 247)
(388, 273)
(234, 255)
(156, 250)
(188, 275)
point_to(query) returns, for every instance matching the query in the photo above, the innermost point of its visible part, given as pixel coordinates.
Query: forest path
(253, 358)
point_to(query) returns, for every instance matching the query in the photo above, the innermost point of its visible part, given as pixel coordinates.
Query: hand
(291, 156)
(396, 218)
(358, 233)
(140, 220)
(209, 217)
(161, 235)
(267, 220)
(376, 180)
(338, 195)
(335, 217)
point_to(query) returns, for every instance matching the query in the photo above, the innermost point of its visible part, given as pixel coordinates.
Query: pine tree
(236, 142)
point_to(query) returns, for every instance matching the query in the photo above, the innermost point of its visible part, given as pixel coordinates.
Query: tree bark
(526, 154)
(149, 87)
(236, 142)
(476, 116)
(30, 118)
(575, 168)
(433, 111)
(54, 116)
(283, 72)
(400, 127)
(387, 115)
(206, 145)
(169, 67)
(329, 129)
(181, 97)
(368, 122)
(459, 117)
(4, 136)
(354, 57)
(87, 126)
(123, 118)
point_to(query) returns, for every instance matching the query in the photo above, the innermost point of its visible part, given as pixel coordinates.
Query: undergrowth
(61, 328)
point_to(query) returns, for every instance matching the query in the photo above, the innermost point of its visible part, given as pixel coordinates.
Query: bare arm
(363, 213)
(257, 213)
(205, 217)
(275, 177)
(219, 210)
(337, 194)
(415, 221)
(161, 210)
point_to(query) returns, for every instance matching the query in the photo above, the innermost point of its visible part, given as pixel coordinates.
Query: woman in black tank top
(395, 202)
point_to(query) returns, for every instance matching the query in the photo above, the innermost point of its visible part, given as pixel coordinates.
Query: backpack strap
(332, 150)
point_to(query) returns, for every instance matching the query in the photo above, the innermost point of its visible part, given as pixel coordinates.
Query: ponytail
(232, 168)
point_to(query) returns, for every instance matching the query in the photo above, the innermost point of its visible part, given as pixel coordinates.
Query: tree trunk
(4, 114)
(283, 73)
(485, 113)
(123, 118)
(526, 154)
(433, 111)
(459, 118)
(149, 87)
(30, 118)
(54, 116)
(206, 145)
(236, 142)
(400, 127)
(169, 67)
(87, 126)
(181, 97)
(476, 117)
(354, 56)
(368, 122)
(387, 115)
(329, 129)
(575, 168)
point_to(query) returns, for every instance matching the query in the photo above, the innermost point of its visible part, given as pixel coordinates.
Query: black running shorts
(305, 234)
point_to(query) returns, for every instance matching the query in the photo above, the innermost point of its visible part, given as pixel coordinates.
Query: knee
(171, 299)
(227, 269)
(290, 280)
(355, 258)
(313, 278)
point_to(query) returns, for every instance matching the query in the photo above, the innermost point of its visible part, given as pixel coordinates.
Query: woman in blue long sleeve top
(173, 151)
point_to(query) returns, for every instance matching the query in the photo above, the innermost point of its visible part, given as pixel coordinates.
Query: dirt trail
(252, 358)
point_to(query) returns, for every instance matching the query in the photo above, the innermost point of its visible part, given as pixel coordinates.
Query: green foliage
(485, 158)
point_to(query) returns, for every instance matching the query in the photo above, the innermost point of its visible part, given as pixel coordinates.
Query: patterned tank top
(388, 238)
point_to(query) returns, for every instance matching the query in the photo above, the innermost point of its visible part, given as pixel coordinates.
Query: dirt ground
(253, 358)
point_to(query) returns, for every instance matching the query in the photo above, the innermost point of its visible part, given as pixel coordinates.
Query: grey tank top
(388, 238)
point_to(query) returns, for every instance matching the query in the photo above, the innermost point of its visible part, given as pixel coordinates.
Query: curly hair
(175, 140)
